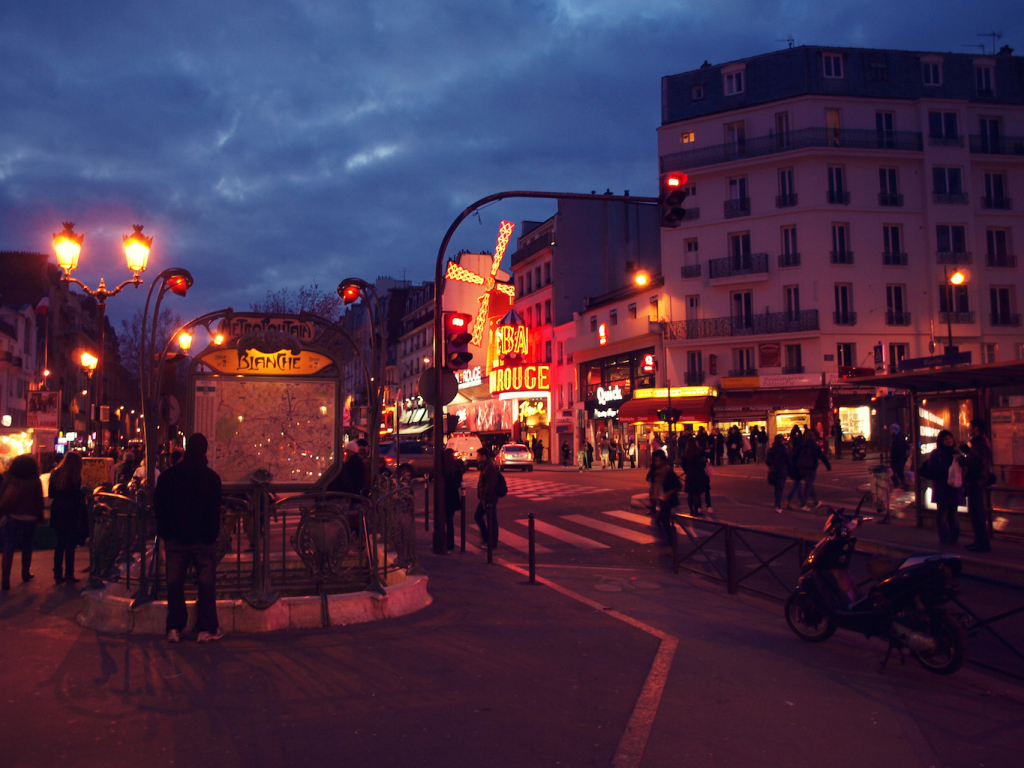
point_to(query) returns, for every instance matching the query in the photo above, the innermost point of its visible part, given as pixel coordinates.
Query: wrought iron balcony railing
(738, 207)
(957, 318)
(953, 257)
(897, 318)
(841, 257)
(950, 198)
(749, 325)
(693, 378)
(737, 372)
(945, 141)
(792, 369)
(846, 138)
(844, 318)
(785, 201)
(789, 259)
(1005, 319)
(837, 197)
(997, 203)
(542, 242)
(691, 270)
(997, 145)
(894, 259)
(745, 264)
(1000, 260)
(890, 199)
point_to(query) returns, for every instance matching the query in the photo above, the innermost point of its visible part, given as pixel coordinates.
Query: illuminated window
(686, 137)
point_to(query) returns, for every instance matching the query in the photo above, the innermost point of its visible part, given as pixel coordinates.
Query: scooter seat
(880, 566)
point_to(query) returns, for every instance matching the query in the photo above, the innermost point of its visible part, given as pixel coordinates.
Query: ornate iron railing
(786, 201)
(693, 378)
(897, 318)
(1005, 319)
(543, 241)
(997, 203)
(957, 318)
(953, 257)
(997, 145)
(690, 271)
(739, 372)
(890, 199)
(945, 141)
(845, 138)
(745, 264)
(738, 207)
(890, 259)
(837, 197)
(789, 259)
(717, 327)
(950, 198)
(1001, 260)
(841, 257)
(844, 318)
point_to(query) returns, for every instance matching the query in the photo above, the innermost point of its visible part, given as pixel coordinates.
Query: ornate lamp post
(88, 362)
(958, 277)
(68, 245)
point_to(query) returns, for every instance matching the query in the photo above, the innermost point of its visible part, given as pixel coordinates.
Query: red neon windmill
(490, 284)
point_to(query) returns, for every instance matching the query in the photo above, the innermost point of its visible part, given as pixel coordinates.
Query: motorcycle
(904, 606)
(860, 448)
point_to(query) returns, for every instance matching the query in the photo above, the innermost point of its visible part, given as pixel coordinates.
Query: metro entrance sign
(936, 361)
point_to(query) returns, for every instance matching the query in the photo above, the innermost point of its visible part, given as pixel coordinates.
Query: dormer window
(697, 93)
(931, 70)
(833, 63)
(735, 80)
(984, 77)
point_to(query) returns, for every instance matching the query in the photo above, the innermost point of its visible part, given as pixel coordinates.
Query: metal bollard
(426, 503)
(462, 499)
(533, 554)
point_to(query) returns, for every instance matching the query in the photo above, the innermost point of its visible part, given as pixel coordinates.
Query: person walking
(667, 487)
(590, 454)
(67, 510)
(487, 498)
(807, 462)
(839, 439)
(719, 446)
(606, 446)
(352, 476)
(631, 452)
(21, 509)
(565, 453)
(187, 502)
(898, 453)
(696, 479)
(778, 463)
(453, 470)
(977, 466)
(947, 497)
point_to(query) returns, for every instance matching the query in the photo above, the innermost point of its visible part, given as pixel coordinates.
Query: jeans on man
(808, 476)
(780, 486)
(487, 520)
(979, 519)
(948, 523)
(795, 491)
(178, 557)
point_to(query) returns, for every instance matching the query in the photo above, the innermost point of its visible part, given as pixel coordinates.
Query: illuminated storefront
(522, 387)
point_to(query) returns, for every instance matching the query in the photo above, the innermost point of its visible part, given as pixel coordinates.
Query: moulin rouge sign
(512, 344)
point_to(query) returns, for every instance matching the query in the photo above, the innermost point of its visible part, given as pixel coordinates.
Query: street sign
(935, 361)
(449, 386)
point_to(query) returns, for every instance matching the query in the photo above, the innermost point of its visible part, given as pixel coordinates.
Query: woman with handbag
(67, 511)
(21, 509)
(946, 495)
(777, 460)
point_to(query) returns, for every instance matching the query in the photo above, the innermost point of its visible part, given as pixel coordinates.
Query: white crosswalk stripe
(507, 538)
(544, 490)
(614, 530)
(563, 535)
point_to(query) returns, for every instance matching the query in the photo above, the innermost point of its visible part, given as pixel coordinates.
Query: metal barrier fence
(768, 564)
(298, 545)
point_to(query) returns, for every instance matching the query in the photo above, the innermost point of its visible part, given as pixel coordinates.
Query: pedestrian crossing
(544, 490)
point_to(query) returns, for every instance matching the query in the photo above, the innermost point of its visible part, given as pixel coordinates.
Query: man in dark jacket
(352, 477)
(898, 455)
(807, 459)
(977, 467)
(187, 503)
(487, 492)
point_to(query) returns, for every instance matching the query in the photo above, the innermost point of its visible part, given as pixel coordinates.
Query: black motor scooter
(903, 607)
(860, 448)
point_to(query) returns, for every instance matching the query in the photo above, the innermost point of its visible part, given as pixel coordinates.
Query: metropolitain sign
(520, 378)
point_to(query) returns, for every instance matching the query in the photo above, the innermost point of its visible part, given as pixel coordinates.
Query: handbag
(955, 476)
(709, 470)
(773, 478)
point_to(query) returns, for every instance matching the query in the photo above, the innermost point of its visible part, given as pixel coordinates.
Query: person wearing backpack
(488, 490)
(778, 469)
(938, 468)
(807, 462)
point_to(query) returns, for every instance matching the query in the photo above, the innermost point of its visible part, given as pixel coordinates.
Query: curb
(105, 612)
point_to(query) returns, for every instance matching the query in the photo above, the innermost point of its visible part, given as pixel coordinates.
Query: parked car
(415, 459)
(465, 447)
(513, 456)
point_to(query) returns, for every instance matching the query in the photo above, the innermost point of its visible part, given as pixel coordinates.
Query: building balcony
(894, 259)
(749, 325)
(736, 373)
(1005, 319)
(693, 378)
(997, 203)
(791, 369)
(844, 318)
(789, 260)
(690, 271)
(950, 198)
(543, 241)
(738, 207)
(945, 141)
(785, 201)
(846, 138)
(997, 145)
(1000, 260)
(691, 214)
(890, 199)
(897, 318)
(841, 257)
(953, 257)
(956, 318)
(745, 264)
(840, 197)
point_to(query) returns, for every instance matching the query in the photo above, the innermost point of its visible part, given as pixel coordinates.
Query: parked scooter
(860, 448)
(904, 607)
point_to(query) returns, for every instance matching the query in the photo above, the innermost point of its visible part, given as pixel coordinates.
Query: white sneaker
(209, 637)
(173, 636)
(805, 508)
(779, 510)
(711, 510)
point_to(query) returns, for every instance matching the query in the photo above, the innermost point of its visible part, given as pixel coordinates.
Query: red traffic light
(673, 193)
(457, 337)
(675, 180)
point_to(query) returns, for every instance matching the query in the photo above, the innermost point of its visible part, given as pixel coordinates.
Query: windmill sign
(475, 284)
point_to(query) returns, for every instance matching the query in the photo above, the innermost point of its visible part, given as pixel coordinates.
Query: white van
(465, 447)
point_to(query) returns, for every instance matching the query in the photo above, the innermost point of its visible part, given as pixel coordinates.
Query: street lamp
(958, 277)
(68, 246)
(642, 278)
(88, 362)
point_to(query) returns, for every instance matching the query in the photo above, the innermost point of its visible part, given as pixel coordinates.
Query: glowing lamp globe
(136, 249)
(68, 245)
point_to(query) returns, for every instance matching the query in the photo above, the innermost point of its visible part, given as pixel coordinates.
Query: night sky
(269, 145)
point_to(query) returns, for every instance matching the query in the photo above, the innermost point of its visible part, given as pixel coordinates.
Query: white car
(514, 456)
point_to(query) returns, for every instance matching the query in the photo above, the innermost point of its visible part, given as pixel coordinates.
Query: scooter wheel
(807, 620)
(951, 642)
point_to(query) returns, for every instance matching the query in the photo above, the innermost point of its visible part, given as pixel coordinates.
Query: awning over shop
(762, 401)
(959, 377)
(418, 429)
(414, 417)
(645, 411)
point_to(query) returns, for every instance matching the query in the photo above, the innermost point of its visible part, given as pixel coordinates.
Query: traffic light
(648, 363)
(456, 338)
(673, 192)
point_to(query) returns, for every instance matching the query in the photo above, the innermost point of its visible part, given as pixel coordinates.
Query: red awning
(762, 401)
(645, 411)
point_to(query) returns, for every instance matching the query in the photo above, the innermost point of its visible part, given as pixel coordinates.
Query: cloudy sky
(278, 144)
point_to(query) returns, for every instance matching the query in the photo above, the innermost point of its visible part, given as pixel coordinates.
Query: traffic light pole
(439, 516)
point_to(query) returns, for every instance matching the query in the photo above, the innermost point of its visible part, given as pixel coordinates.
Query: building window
(841, 253)
(896, 305)
(932, 72)
(988, 353)
(1003, 305)
(613, 317)
(892, 245)
(844, 314)
(879, 73)
(954, 298)
(697, 93)
(990, 133)
(786, 182)
(947, 181)
(536, 313)
(998, 253)
(995, 192)
(547, 273)
(897, 354)
(742, 309)
(593, 323)
(686, 137)
(951, 238)
(782, 129)
(846, 354)
(790, 252)
(529, 282)
(794, 359)
(837, 193)
(654, 308)
(547, 351)
(885, 129)
(547, 312)
(943, 128)
(833, 65)
(632, 311)
(691, 250)
(791, 299)
(888, 191)
(736, 138)
(536, 274)
(529, 317)
(734, 83)
(561, 399)
(984, 76)
(743, 362)
(561, 349)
